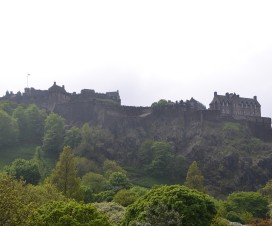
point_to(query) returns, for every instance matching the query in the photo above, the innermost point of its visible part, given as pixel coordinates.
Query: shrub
(171, 205)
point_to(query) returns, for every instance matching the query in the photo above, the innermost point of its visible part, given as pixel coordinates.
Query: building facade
(236, 106)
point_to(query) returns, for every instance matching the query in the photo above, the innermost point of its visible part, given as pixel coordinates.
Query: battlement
(56, 95)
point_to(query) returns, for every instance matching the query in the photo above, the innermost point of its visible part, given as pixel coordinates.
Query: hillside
(155, 144)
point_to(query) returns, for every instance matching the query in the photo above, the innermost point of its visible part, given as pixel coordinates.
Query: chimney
(215, 94)
(54, 83)
(63, 86)
(255, 97)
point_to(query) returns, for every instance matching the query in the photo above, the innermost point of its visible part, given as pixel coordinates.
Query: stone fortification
(56, 95)
(105, 108)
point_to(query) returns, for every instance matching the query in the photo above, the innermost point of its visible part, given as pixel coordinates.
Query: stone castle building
(57, 95)
(233, 105)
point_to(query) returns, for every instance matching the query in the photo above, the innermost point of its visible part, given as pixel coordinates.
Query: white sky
(148, 50)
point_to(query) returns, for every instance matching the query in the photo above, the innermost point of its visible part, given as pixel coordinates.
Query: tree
(194, 178)
(68, 213)
(26, 170)
(250, 202)
(64, 176)
(18, 201)
(119, 181)
(13, 207)
(72, 137)
(8, 130)
(267, 190)
(54, 134)
(30, 122)
(96, 182)
(35, 123)
(111, 166)
(125, 197)
(156, 157)
(114, 211)
(171, 205)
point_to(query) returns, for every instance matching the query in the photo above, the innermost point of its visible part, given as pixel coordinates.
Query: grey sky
(148, 50)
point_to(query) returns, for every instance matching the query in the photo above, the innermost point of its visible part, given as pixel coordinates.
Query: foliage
(119, 181)
(140, 191)
(72, 137)
(194, 178)
(8, 107)
(8, 130)
(251, 202)
(104, 196)
(172, 203)
(96, 143)
(85, 165)
(114, 211)
(39, 160)
(64, 176)
(156, 157)
(31, 123)
(111, 166)
(267, 190)
(160, 103)
(14, 208)
(54, 134)
(26, 170)
(125, 197)
(232, 130)
(18, 200)
(68, 213)
(94, 181)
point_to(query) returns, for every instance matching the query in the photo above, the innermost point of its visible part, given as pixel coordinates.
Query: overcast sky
(148, 50)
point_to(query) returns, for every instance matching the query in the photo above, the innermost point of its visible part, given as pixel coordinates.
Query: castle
(106, 109)
(236, 106)
(55, 95)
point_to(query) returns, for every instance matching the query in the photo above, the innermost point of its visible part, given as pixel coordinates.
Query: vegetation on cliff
(120, 163)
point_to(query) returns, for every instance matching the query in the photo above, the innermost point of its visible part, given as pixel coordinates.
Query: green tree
(72, 137)
(35, 123)
(64, 176)
(156, 157)
(68, 213)
(96, 182)
(267, 190)
(8, 130)
(96, 143)
(119, 181)
(171, 205)
(30, 122)
(194, 178)
(250, 202)
(26, 170)
(13, 207)
(54, 134)
(125, 197)
(111, 166)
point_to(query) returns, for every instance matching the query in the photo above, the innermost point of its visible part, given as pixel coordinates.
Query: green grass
(9, 154)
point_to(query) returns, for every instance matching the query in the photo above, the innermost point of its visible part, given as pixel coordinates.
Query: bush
(68, 213)
(251, 202)
(114, 211)
(125, 197)
(171, 205)
(104, 196)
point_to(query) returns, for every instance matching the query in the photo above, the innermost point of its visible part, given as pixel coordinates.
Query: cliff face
(232, 154)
